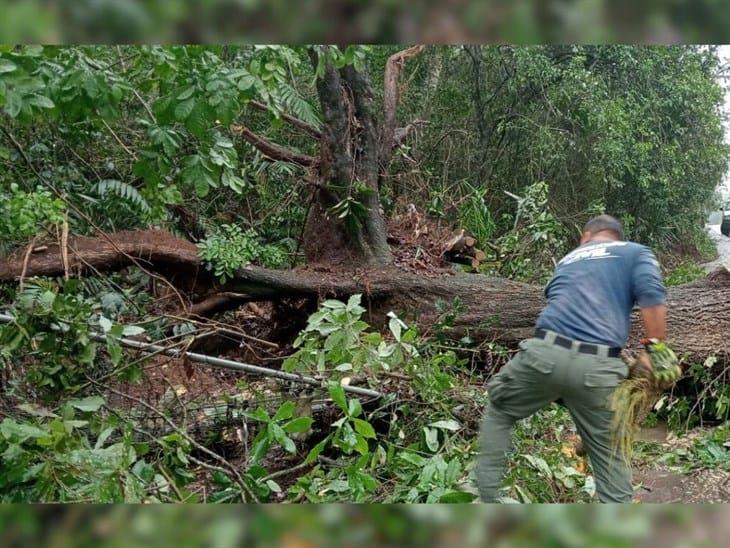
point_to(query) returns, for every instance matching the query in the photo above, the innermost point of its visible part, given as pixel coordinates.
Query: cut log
(493, 308)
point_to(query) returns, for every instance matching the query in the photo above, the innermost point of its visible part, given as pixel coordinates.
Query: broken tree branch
(272, 150)
(307, 128)
(218, 302)
(391, 95)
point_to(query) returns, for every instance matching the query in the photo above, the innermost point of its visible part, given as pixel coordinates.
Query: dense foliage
(132, 136)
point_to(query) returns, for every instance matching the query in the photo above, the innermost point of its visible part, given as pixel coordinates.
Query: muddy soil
(659, 483)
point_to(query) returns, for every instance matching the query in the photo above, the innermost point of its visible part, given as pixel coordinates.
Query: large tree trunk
(493, 308)
(345, 223)
(347, 169)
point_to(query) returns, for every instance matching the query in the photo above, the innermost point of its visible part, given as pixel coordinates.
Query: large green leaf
(298, 425)
(7, 66)
(199, 120)
(364, 428)
(89, 404)
(337, 393)
(184, 108)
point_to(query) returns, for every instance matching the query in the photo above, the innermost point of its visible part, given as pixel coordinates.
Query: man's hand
(664, 362)
(640, 366)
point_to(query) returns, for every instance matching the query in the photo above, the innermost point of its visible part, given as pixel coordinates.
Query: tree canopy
(633, 131)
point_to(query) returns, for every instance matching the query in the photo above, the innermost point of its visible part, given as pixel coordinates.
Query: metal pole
(220, 362)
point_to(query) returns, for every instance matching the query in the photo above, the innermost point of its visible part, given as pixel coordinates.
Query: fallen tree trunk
(155, 250)
(493, 308)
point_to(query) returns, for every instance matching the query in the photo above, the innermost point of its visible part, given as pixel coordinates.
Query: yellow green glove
(664, 362)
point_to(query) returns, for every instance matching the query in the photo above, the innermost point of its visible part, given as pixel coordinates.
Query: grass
(685, 272)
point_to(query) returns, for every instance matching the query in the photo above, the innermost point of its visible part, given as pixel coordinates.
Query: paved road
(723, 249)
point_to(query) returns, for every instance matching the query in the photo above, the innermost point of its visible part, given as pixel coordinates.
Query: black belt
(583, 348)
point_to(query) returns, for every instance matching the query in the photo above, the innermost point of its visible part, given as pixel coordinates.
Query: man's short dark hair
(605, 222)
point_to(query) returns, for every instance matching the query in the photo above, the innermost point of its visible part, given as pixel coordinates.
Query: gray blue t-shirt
(595, 287)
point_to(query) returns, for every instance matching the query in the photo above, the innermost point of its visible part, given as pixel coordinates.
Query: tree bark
(367, 163)
(348, 169)
(493, 308)
(272, 150)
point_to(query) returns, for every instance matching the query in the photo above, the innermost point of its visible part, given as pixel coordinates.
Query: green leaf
(132, 330)
(7, 66)
(105, 323)
(201, 188)
(364, 428)
(231, 180)
(13, 103)
(298, 425)
(354, 408)
(10, 428)
(246, 82)
(432, 438)
(114, 350)
(271, 484)
(34, 50)
(361, 445)
(198, 122)
(337, 393)
(161, 109)
(450, 424)
(413, 458)
(524, 494)
(259, 448)
(197, 174)
(281, 437)
(101, 440)
(395, 327)
(186, 94)
(285, 411)
(540, 465)
(259, 414)
(457, 497)
(89, 405)
(183, 109)
(40, 101)
(316, 450)
(88, 353)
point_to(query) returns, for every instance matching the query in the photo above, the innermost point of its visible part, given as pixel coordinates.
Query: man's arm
(650, 295)
(655, 321)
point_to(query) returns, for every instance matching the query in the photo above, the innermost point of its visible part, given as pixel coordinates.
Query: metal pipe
(220, 362)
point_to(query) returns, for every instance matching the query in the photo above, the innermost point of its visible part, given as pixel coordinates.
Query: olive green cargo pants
(539, 374)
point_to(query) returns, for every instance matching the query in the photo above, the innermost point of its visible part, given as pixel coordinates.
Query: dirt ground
(662, 485)
(659, 483)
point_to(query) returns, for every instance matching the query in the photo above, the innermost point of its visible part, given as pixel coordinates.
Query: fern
(296, 105)
(264, 166)
(123, 190)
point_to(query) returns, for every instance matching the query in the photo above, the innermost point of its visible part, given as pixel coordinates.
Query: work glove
(664, 362)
